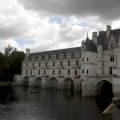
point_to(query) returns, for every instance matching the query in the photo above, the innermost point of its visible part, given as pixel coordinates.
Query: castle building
(83, 68)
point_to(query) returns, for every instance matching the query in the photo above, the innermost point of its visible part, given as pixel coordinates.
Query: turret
(108, 29)
(83, 45)
(94, 37)
(27, 52)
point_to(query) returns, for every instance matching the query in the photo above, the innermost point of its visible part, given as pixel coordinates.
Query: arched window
(33, 58)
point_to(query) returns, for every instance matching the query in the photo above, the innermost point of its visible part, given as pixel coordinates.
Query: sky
(43, 25)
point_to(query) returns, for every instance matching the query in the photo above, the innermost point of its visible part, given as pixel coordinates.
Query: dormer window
(33, 58)
(68, 55)
(40, 57)
(61, 55)
(111, 45)
(46, 57)
(77, 54)
(54, 57)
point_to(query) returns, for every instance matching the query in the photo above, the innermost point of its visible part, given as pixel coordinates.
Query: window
(53, 63)
(26, 72)
(33, 64)
(87, 59)
(46, 57)
(82, 71)
(75, 72)
(54, 57)
(59, 72)
(110, 70)
(77, 54)
(53, 72)
(46, 64)
(82, 58)
(39, 72)
(60, 63)
(111, 45)
(26, 64)
(76, 62)
(68, 63)
(39, 58)
(39, 64)
(68, 72)
(87, 71)
(33, 58)
(61, 55)
(111, 57)
(68, 55)
(44, 72)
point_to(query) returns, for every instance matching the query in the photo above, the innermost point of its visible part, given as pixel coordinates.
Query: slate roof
(103, 40)
(90, 46)
(116, 33)
(56, 52)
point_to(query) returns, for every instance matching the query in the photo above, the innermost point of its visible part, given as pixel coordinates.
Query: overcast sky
(54, 24)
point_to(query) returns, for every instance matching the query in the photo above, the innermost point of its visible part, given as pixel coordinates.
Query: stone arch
(38, 81)
(104, 88)
(26, 81)
(68, 84)
(52, 82)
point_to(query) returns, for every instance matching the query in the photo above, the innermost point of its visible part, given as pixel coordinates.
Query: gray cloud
(107, 9)
(12, 28)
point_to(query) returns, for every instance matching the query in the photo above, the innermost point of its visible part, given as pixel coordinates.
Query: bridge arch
(38, 81)
(26, 81)
(104, 88)
(52, 82)
(68, 83)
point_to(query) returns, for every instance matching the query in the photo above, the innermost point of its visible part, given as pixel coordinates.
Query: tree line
(10, 63)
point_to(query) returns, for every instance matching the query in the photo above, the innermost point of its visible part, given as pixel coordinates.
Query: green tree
(10, 63)
(8, 50)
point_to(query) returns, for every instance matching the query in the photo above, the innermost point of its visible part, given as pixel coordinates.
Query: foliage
(10, 63)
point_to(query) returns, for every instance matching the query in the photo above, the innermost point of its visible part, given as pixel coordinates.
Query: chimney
(94, 37)
(108, 29)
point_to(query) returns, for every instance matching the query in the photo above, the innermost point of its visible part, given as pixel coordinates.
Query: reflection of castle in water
(84, 68)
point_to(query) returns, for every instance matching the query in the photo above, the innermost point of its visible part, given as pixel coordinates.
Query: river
(24, 103)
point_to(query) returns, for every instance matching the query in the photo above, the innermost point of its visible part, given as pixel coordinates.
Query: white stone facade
(77, 68)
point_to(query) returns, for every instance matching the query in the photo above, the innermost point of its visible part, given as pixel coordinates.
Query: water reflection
(52, 104)
(6, 94)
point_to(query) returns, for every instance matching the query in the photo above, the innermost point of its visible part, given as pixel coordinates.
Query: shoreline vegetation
(10, 64)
